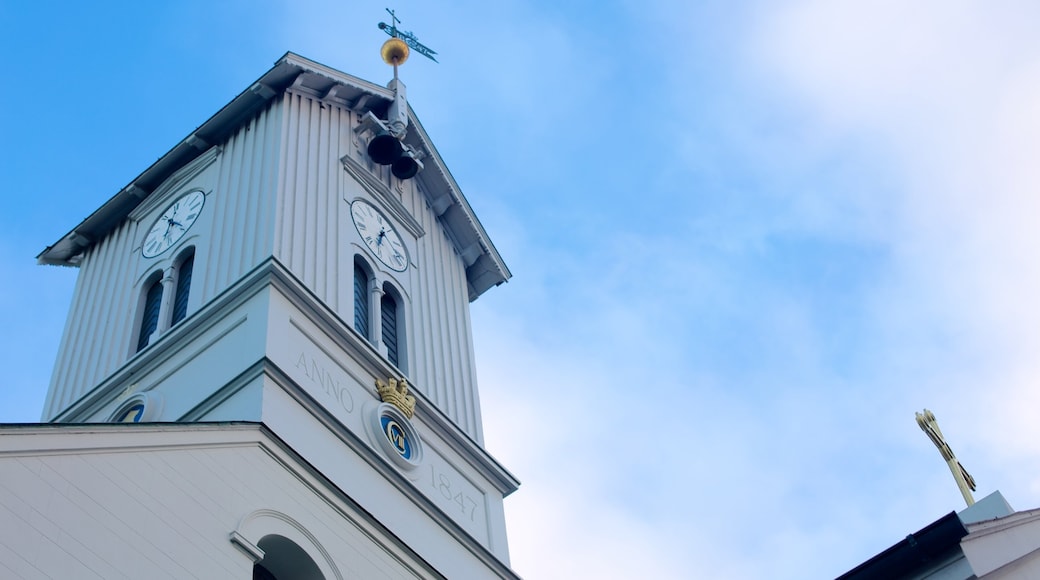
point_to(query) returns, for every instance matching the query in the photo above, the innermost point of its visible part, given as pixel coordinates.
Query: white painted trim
(264, 522)
(250, 549)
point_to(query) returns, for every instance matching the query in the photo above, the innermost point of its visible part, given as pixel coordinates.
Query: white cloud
(587, 508)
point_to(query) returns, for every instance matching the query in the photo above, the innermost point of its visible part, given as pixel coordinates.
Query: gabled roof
(485, 267)
(920, 550)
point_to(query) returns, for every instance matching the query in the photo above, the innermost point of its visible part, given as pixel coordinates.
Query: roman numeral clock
(379, 235)
(173, 224)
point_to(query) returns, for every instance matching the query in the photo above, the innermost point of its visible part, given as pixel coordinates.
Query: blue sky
(749, 240)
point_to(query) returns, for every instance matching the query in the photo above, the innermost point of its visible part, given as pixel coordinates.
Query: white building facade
(256, 302)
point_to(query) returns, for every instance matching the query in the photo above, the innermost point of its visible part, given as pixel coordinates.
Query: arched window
(180, 300)
(284, 560)
(392, 326)
(165, 300)
(150, 316)
(361, 300)
(388, 313)
(282, 549)
(384, 328)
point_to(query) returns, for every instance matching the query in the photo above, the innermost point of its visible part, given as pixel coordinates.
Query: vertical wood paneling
(216, 261)
(244, 192)
(308, 228)
(437, 374)
(430, 376)
(315, 162)
(97, 320)
(458, 334)
(337, 257)
(328, 201)
(303, 193)
(459, 356)
(296, 246)
(112, 343)
(470, 364)
(97, 310)
(242, 148)
(247, 194)
(283, 212)
(269, 172)
(76, 327)
(445, 255)
(56, 394)
(237, 195)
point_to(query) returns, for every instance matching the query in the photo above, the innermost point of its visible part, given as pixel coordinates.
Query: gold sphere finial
(394, 51)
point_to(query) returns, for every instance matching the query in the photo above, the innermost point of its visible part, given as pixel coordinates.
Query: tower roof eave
(485, 267)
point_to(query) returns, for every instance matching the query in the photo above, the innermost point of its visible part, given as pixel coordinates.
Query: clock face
(173, 224)
(379, 235)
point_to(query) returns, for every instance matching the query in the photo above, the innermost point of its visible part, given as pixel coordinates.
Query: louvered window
(388, 310)
(150, 318)
(361, 300)
(180, 301)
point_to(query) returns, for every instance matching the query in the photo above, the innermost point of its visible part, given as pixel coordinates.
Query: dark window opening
(150, 319)
(180, 302)
(361, 300)
(388, 310)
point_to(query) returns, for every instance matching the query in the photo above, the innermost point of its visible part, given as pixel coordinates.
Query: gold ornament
(394, 51)
(396, 393)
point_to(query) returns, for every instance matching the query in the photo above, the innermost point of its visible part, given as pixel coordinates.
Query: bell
(405, 166)
(384, 148)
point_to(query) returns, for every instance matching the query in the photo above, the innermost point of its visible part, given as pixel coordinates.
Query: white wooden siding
(166, 513)
(316, 240)
(232, 236)
(243, 196)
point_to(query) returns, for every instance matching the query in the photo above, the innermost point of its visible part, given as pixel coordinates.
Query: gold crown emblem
(396, 393)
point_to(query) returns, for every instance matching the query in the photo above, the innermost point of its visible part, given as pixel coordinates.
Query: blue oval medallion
(397, 436)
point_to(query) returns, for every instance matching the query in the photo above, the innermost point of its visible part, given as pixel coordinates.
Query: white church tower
(267, 369)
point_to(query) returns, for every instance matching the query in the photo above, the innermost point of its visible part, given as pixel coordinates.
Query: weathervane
(964, 480)
(407, 37)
